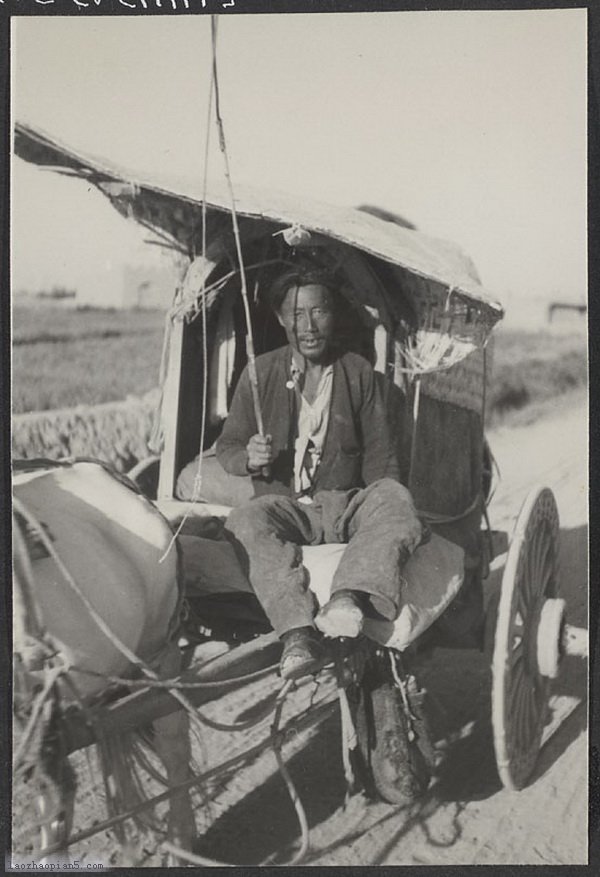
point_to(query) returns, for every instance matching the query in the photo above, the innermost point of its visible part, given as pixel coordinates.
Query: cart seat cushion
(432, 578)
(217, 485)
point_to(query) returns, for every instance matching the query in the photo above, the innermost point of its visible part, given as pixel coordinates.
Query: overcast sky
(471, 124)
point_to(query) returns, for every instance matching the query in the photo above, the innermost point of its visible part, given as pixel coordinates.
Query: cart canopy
(425, 315)
(173, 208)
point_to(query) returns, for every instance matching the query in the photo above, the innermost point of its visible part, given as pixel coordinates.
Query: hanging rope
(146, 684)
(314, 716)
(349, 741)
(192, 858)
(30, 636)
(198, 477)
(250, 349)
(276, 735)
(401, 686)
(131, 657)
(236, 233)
(197, 488)
(51, 676)
(276, 742)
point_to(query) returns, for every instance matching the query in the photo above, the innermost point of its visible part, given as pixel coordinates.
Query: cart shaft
(225, 673)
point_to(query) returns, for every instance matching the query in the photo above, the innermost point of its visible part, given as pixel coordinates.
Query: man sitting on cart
(325, 471)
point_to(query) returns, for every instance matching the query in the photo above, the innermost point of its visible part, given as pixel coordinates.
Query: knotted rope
(199, 721)
(250, 349)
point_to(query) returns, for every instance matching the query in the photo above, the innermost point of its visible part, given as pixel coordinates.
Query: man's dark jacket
(358, 448)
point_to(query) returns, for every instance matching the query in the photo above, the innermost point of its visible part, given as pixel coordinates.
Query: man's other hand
(259, 452)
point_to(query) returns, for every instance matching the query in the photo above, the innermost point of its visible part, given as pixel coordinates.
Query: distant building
(56, 297)
(146, 287)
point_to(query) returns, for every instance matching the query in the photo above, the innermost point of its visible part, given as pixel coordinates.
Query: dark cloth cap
(301, 275)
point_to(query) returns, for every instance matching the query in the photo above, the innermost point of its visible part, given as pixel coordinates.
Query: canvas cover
(432, 578)
(95, 523)
(385, 264)
(174, 206)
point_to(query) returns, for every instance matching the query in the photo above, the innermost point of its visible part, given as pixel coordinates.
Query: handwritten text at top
(141, 5)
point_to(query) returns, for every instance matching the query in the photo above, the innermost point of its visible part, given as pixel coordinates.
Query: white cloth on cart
(432, 576)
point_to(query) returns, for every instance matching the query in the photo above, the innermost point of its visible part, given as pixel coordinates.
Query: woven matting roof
(172, 204)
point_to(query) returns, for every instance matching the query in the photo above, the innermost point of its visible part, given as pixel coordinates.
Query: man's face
(306, 314)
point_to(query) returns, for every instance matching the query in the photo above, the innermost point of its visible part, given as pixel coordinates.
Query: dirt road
(466, 817)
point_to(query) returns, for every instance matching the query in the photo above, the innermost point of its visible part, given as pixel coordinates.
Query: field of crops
(63, 358)
(68, 358)
(530, 368)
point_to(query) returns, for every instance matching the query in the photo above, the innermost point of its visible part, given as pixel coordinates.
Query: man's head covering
(301, 275)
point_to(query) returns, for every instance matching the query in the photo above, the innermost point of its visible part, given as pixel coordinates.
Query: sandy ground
(466, 817)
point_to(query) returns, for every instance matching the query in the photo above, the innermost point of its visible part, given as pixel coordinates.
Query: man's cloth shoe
(342, 615)
(303, 653)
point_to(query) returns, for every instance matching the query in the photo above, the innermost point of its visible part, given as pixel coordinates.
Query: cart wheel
(398, 768)
(528, 632)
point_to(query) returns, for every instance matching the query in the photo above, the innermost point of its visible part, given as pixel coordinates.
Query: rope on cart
(250, 351)
(187, 306)
(277, 738)
(434, 518)
(192, 858)
(198, 477)
(196, 491)
(175, 310)
(97, 618)
(146, 684)
(321, 711)
(236, 233)
(349, 740)
(52, 674)
(401, 686)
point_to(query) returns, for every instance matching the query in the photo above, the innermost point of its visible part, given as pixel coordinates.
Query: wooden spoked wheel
(519, 689)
